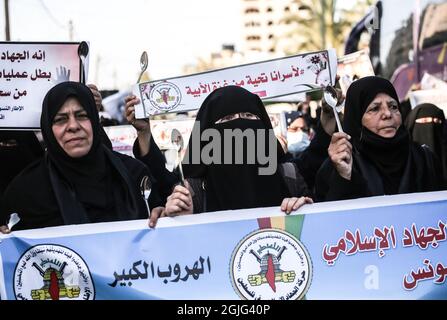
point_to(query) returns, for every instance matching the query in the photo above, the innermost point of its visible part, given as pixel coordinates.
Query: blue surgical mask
(297, 141)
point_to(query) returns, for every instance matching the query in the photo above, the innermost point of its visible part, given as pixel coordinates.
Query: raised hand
(139, 124)
(62, 75)
(179, 202)
(340, 153)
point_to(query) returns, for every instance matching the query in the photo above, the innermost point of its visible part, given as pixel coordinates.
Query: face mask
(297, 141)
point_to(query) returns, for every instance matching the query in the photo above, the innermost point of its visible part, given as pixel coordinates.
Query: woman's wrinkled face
(382, 116)
(72, 129)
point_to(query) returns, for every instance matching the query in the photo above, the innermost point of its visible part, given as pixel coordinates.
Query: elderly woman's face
(72, 129)
(382, 116)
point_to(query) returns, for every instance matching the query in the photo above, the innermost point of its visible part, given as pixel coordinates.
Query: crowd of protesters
(82, 180)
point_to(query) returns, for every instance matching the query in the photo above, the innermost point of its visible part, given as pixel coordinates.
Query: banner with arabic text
(27, 71)
(267, 79)
(390, 247)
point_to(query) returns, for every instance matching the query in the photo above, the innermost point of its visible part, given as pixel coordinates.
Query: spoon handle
(139, 78)
(337, 119)
(180, 167)
(82, 70)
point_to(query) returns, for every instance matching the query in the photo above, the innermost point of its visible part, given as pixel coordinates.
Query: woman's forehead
(71, 104)
(298, 122)
(382, 96)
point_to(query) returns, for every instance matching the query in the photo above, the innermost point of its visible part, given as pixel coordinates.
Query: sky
(173, 32)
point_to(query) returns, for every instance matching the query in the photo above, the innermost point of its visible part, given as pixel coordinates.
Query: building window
(252, 10)
(253, 38)
(286, 9)
(269, 9)
(270, 36)
(270, 23)
(252, 24)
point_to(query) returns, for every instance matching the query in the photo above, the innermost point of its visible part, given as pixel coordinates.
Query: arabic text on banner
(391, 247)
(27, 72)
(267, 79)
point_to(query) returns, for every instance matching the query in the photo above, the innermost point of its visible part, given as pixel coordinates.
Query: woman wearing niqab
(426, 125)
(231, 186)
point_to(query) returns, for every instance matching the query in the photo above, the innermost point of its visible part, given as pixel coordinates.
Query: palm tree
(321, 24)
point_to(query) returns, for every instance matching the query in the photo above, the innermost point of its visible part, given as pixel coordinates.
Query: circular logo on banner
(52, 272)
(165, 96)
(270, 264)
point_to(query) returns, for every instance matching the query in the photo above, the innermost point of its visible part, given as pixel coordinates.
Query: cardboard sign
(27, 71)
(268, 79)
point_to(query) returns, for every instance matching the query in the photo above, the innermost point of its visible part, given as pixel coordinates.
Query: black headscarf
(233, 186)
(96, 186)
(292, 116)
(17, 150)
(430, 134)
(388, 155)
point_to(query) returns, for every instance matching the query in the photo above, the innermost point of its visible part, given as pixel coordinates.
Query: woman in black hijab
(375, 156)
(17, 150)
(79, 180)
(426, 124)
(224, 184)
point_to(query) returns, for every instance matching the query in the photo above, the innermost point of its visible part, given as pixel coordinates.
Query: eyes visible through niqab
(429, 120)
(240, 115)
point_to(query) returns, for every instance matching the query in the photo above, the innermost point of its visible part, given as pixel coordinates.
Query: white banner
(267, 79)
(162, 129)
(386, 247)
(429, 82)
(123, 137)
(27, 71)
(437, 97)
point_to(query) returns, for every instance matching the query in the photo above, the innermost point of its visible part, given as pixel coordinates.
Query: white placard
(352, 67)
(267, 79)
(434, 96)
(429, 82)
(161, 131)
(27, 71)
(123, 137)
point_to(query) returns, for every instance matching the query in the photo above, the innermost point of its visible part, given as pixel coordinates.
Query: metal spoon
(143, 64)
(145, 188)
(330, 96)
(177, 141)
(82, 53)
(13, 220)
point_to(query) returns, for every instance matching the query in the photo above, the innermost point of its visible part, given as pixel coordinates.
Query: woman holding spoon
(374, 156)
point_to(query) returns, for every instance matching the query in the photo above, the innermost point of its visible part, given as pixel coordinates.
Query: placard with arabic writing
(267, 79)
(27, 71)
